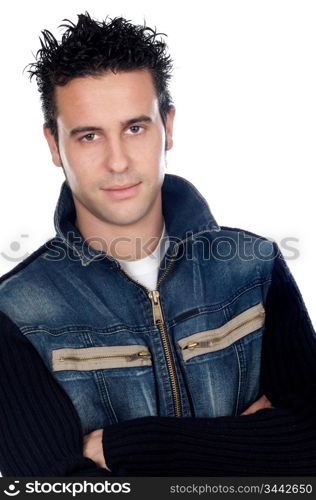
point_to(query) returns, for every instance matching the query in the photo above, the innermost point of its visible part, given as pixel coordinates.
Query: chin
(124, 221)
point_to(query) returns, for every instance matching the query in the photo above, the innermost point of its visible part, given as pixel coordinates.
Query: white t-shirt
(145, 270)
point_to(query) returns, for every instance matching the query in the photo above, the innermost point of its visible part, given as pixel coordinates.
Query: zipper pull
(192, 345)
(141, 354)
(201, 344)
(155, 302)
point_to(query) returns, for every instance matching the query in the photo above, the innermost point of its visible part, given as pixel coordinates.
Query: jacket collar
(186, 214)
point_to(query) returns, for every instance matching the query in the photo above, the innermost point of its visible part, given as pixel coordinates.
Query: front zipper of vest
(159, 321)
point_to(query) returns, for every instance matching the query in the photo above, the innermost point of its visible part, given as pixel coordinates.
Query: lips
(122, 192)
(119, 188)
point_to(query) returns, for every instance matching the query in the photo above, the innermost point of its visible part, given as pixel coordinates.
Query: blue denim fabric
(69, 295)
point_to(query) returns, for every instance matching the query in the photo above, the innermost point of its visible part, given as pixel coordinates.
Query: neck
(125, 242)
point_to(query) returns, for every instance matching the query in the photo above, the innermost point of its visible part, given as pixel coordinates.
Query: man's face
(111, 135)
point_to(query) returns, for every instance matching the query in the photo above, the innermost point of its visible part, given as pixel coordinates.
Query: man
(144, 339)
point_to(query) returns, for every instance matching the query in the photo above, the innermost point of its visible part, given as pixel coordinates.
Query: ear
(169, 127)
(52, 146)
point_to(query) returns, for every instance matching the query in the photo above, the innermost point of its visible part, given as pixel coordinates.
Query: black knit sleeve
(289, 342)
(40, 431)
(271, 442)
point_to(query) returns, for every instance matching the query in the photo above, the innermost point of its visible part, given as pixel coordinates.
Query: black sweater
(41, 435)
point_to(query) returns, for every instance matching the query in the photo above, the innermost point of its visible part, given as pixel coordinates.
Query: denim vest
(192, 347)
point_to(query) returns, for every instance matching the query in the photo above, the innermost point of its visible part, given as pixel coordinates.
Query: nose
(116, 158)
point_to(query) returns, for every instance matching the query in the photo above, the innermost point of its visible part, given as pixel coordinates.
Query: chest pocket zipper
(96, 358)
(216, 339)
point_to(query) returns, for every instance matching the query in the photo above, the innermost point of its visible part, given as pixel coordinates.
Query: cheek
(79, 160)
(151, 150)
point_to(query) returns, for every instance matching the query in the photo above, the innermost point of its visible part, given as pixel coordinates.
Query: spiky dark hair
(91, 47)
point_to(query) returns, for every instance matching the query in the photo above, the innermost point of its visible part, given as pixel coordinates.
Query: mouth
(122, 191)
(119, 188)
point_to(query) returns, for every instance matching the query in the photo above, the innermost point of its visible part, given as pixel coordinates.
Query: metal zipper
(159, 321)
(130, 357)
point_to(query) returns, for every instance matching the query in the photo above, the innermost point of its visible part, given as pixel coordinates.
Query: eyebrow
(93, 128)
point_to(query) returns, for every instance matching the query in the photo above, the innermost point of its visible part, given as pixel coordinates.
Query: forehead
(108, 95)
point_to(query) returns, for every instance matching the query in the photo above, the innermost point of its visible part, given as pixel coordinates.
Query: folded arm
(40, 431)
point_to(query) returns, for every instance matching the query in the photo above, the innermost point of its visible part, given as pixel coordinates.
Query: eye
(135, 129)
(88, 137)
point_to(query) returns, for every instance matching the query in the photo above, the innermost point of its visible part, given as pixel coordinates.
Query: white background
(244, 87)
